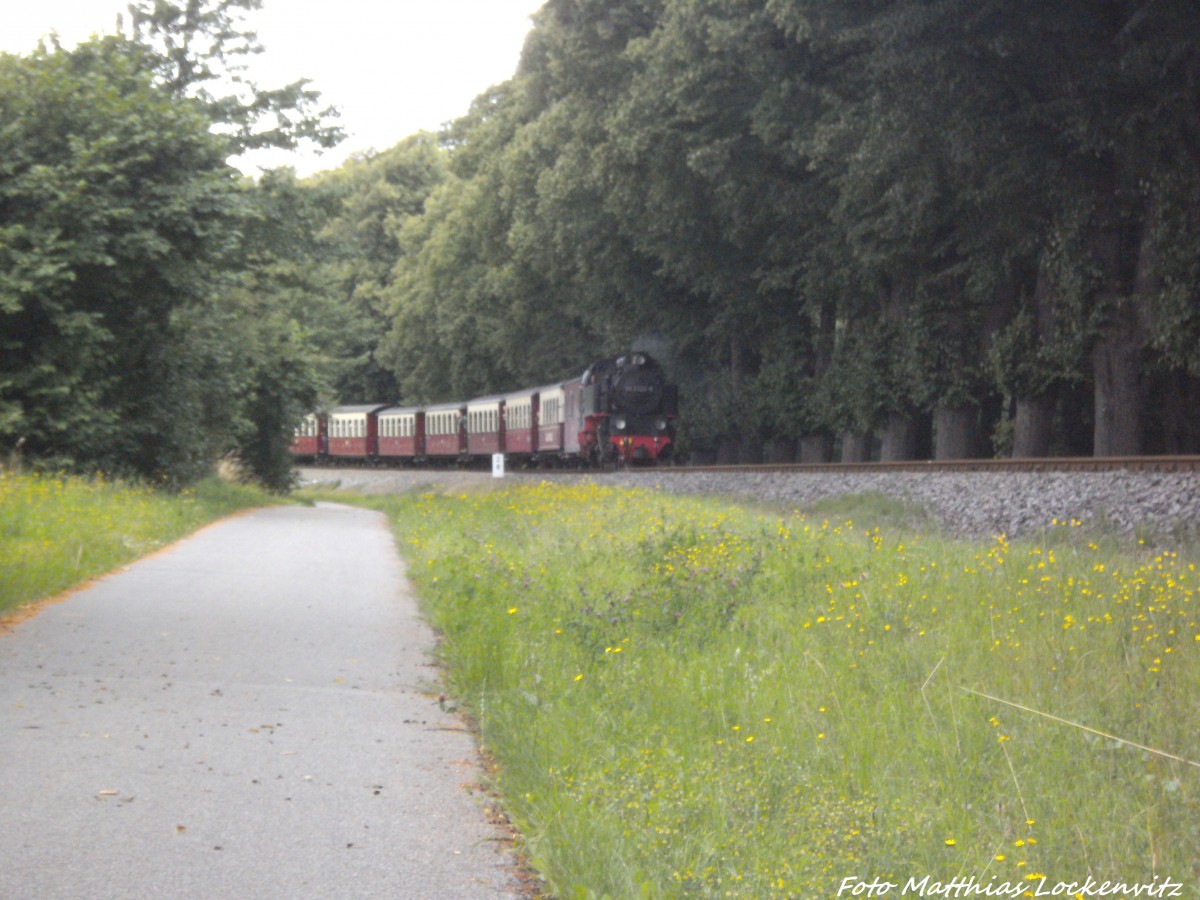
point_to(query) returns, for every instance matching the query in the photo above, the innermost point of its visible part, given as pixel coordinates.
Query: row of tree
(875, 215)
(855, 227)
(899, 227)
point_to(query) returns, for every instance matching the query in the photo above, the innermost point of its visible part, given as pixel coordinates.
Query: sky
(393, 67)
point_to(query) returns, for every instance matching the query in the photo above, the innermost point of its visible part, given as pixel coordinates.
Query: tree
(121, 229)
(376, 196)
(865, 215)
(115, 200)
(197, 51)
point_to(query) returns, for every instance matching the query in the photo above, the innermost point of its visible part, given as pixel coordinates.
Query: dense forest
(850, 228)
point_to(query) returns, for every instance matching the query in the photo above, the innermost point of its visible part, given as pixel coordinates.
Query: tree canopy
(866, 227)
(126, 346)
(934, 227)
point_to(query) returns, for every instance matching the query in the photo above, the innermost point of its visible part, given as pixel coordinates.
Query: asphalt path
(250, 714)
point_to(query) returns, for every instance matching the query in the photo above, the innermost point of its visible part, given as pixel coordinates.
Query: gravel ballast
(985, 503)
(974, 504)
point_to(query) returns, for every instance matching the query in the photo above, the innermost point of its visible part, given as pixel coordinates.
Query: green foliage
(483, 297)
(117, 207)
(199, 45)
(825, 214)
(761, 184)
(376, 196)
(1175, 321)
(127, 344)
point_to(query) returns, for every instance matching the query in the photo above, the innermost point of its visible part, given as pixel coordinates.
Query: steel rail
(1047, 464)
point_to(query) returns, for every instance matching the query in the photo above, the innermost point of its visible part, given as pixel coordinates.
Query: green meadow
(57, 531)
(688, 698)
(685, 698)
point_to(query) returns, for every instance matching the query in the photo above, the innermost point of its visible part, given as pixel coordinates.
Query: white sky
(393, 67)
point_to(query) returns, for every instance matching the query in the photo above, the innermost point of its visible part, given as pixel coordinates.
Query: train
(621, 411)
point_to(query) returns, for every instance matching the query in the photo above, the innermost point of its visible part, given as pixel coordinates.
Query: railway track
(1152, 495)
(1048, 464)
(1177, 463)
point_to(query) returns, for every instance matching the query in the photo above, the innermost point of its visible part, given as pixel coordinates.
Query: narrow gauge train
(618, 412)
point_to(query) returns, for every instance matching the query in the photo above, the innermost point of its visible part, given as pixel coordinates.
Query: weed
(688, 699)
(57, 531)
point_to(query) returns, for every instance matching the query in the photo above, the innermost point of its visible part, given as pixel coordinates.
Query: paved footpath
(246, 715)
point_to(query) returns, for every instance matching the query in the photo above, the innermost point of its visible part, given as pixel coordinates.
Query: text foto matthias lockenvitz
(1031, 886)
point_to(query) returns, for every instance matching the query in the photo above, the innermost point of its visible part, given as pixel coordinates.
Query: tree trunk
(826, 338)
(1180, 414)
(1033, 427)
(956, 432)
(898, 439)
(816, 448)
(750, 451)
(855, 447)
(1116, 370)
(729, 450)
(780, 451)
(1125, 253)
(901, 438)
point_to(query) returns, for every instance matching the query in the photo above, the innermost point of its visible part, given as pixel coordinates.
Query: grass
(686, 698)
(58, 531)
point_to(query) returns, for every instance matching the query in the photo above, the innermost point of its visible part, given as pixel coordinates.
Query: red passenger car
(520, 423)
(353, 432)
(551, 416)
(485, 426)
(445, 431)
(309, 440)
(401, 434)
(575, 421)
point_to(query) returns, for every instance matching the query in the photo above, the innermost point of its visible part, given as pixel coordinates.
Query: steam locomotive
(620, 411)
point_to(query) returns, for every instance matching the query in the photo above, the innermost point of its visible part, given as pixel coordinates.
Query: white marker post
(497, 465)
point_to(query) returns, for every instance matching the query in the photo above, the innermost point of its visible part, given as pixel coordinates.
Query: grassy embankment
(685, 698)
(58, 531)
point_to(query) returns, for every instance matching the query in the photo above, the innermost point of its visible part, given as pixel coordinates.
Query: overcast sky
(393, 67)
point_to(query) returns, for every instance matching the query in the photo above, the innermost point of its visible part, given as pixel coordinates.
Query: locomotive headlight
(660, 424)
(619, 423)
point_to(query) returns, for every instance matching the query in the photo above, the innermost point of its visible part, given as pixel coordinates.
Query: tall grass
(57, 531)
(688, 699)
